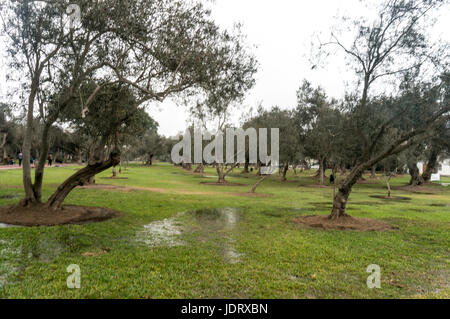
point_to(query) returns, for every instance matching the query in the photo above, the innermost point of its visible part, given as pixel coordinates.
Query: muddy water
(212, 225)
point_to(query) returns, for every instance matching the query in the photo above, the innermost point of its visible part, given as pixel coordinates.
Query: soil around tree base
(344, 223)
(40, 215)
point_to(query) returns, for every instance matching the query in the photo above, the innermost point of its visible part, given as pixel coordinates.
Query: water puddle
(8, 254)
(15, 258)
(230, 254)
(217, 225)
(212, 225)
(164, 233)
(46, 250)
(216, 219)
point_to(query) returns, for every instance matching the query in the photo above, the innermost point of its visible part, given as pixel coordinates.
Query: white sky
(282, 30)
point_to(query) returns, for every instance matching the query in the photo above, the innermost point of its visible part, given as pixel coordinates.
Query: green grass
(279, 259)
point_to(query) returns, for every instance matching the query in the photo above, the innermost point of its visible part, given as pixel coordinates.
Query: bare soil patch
(148, 189)
(344, 223)
(252, 195)
(103, 187)
(368, 181)
(94, 254)
(164, 190)
(39, 215)
(315, 186)
(222, 184)
(393, 198)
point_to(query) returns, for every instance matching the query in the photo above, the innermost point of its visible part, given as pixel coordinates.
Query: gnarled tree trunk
(373, 172)
(431, 165)
(200, 169)
(81, 177)
(341, 198)
(416, 179)
(387, 177)
(220, 174)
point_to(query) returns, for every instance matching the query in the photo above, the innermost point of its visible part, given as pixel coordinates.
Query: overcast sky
(282, 30)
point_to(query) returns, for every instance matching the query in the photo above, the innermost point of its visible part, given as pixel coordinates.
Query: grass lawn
(160, 248)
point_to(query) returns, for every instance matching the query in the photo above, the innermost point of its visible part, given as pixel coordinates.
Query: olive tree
(158, 49)
(392, 45)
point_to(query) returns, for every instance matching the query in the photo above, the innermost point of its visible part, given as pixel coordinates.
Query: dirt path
(166, 191)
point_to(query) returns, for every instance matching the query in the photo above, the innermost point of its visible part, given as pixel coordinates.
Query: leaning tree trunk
(387, 177)
(253, 190)
(341, 198)
(431, 166)
(81, 177)
(416, 179)
(285, 170)
(90, 181)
